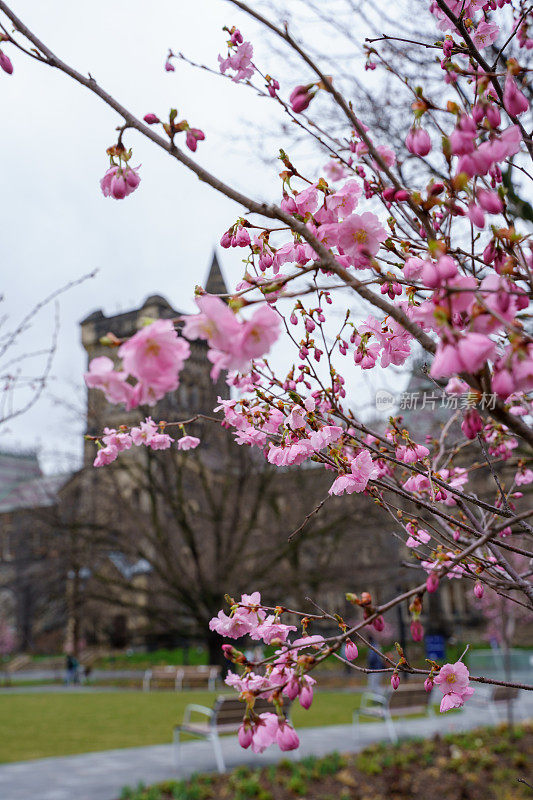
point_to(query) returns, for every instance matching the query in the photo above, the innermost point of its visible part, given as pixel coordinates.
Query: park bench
(87, 662)
(407, 699)
(225, 717)
(14, 665)
(493, 698)
(178, 678)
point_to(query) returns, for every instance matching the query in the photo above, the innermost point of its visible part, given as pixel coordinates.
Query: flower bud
(489, 201)
(245, 735)
(492, 112)
(288, 204)
(479, 590)
(432, 582)
(514, 101)
(417, 631)
(428, 684)
(418, 142)
(300, 98)
(379, 623)
(350, 650)
(5, 63)
(287, 738)
(472, 423)
(151, 119)
(306, 697)
(118, 187)
(401, 196)
(395, 681)
(242, 237)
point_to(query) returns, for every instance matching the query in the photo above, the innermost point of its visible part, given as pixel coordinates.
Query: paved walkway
(101, 776)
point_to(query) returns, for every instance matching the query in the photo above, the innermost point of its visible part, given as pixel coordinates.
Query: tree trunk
(216, 657)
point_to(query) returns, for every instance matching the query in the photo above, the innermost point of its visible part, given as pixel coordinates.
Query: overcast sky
(57, 225)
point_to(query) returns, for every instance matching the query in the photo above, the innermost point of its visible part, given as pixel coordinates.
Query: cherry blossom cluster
(121, 179)
(286, 673)
(233, 343)
(153, 357)
(239, 57)
(171, 128)
(428, 238)
(148, 433)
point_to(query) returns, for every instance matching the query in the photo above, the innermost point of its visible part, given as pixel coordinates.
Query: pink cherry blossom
(470, 354)
(514, 100)
(454, 682)
(105, 456)
(121, 440)
(258, 334)
(362, 470)
(119, 182)
(523, 478)
(144, 433)
(216, 322)
(102, 375)
(160, 441)
(325, 436)
(345, 200)
(240, 60)
(360, 236)
(306, 200)
(188, 442)
(265, 732)
(485, 34)
(155, 354)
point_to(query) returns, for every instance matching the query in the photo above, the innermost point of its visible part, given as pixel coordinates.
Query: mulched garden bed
(484, 764)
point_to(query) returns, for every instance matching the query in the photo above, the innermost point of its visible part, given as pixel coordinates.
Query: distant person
(374, 662)
(71, 666)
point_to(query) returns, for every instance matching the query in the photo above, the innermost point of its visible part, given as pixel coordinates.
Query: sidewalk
(101, 776)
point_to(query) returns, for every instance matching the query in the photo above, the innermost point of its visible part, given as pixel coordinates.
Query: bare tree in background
(201, 529)
(24, 371)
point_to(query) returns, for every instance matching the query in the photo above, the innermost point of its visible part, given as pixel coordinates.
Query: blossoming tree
(439, 266)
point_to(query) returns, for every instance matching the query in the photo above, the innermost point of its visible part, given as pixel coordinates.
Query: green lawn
(48, 724)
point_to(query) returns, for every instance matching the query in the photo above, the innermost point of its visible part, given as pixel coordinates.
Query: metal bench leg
(218, 752)
(177, 749)
(355, 724)
(393, 736)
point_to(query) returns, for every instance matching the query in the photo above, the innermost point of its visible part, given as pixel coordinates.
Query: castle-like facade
(197, 393)
(144, 553)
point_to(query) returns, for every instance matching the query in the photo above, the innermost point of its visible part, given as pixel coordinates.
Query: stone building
(142, 552)
(32, 574)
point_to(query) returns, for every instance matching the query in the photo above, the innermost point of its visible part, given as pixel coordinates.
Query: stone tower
(196, 392)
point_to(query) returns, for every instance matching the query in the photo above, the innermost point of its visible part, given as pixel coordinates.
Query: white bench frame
(484, 696)
(180, 677)
(211, 734)
(377, 706)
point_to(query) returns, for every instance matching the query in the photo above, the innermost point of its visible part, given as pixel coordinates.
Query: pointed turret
(215, 283)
